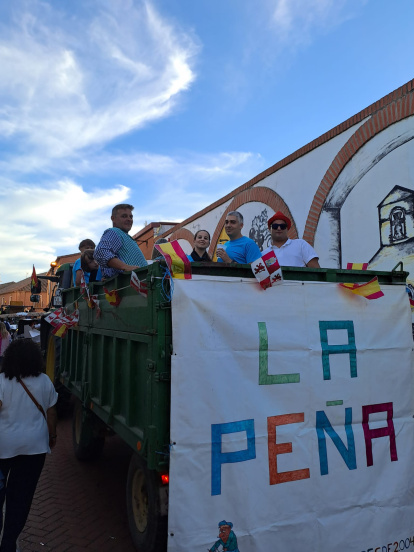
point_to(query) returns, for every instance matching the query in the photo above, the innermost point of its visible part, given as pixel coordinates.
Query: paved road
(80, 506)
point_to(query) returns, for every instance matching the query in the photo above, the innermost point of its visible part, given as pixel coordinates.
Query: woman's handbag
(38, 406)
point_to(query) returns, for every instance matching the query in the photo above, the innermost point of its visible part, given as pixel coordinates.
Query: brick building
(349, 192)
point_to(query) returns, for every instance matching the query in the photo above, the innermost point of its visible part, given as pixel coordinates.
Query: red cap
(279, 216)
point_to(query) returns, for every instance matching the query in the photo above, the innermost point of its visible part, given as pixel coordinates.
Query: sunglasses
(282, 226)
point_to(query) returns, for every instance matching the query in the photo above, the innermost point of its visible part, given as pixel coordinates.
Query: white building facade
(349, 193)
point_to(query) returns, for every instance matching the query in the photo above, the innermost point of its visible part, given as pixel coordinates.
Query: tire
(88, 434)
(148, 528)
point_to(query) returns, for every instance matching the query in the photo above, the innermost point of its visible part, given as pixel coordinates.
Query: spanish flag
(112, 297)
(370, 290)
(35, 285)
(61, 330)
(176, 259)
(357, 266)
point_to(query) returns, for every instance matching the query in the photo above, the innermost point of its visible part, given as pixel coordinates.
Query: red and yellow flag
(60, 330)
(176, 259)
(35, 285)
(112, 297)
(357, 266)
(370, 290)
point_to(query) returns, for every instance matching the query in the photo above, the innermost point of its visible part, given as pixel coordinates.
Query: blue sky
(170, 104)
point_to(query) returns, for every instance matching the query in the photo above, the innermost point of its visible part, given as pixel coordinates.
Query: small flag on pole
(370, 290)
(357, 266)
(176, 259)
(267, 270)
(112, 297)
(60, 330)
(273, 267)
(35, 284)
(140, 287)
(62, 322)
(261, 273)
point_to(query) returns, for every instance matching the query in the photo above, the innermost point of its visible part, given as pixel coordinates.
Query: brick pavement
(80, 506)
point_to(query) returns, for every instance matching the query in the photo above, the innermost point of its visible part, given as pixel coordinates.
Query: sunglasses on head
(282, 226)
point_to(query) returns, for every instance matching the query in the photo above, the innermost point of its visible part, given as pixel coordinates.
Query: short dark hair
(22, 358)
(201, 230)
(120, 207)
(236, 214)
(89, 243)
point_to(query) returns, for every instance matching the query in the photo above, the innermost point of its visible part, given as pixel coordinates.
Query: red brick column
(182, 234)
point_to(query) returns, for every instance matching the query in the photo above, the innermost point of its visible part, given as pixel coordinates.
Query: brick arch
(382, 119)
(183, 234)
(260, 194)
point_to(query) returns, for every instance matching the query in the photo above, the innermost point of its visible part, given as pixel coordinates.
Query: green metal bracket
(162, 376)
(395, 269)
(165, 305)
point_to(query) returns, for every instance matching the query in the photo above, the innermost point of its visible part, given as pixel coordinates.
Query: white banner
(291, 418)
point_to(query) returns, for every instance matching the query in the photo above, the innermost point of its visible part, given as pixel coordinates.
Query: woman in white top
(26, 433)
(5, 339)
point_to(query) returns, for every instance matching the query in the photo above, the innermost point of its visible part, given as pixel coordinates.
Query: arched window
(398, 229)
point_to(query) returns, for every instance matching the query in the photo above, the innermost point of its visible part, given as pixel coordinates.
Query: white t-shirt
(23, 428)
(293, 253)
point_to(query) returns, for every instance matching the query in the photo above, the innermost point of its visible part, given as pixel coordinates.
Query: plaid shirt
(108, 248)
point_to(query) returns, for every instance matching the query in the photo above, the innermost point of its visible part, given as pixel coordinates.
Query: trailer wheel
(147, 526)
(87, 433)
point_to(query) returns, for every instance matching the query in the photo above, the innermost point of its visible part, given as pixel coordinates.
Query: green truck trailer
(117, 364)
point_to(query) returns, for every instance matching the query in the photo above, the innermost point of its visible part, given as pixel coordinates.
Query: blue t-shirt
(243, 250)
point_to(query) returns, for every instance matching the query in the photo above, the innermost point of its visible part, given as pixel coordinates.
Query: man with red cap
(289, 252)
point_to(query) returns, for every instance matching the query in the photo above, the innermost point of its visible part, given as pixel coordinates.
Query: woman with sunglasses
(201, 243)
(289, 252)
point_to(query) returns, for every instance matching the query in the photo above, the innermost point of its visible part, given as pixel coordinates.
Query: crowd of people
(117, 251)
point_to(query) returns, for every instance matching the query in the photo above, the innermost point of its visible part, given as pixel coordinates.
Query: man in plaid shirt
(117, 251)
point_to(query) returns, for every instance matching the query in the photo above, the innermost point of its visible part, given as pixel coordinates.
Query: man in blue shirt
(238, 249)
(117, 251)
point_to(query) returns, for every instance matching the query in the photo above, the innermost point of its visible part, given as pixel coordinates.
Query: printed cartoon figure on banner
(227, 539)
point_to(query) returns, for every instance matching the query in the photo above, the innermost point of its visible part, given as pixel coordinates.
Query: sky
(170, 104)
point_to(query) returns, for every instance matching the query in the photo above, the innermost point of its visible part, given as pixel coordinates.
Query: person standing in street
(27, 434)
(5, 340)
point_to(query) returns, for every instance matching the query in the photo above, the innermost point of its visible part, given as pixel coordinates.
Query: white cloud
(297, 20)
(41, 221)
(69, 82)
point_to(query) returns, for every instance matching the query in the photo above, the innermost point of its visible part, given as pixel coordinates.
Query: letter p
(218, 457)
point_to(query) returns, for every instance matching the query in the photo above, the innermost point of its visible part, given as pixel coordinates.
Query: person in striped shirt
(117, 251)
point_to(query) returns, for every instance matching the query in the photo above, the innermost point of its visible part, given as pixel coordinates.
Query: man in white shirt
(289, 252)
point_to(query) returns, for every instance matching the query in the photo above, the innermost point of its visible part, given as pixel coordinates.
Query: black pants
(18, 479)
